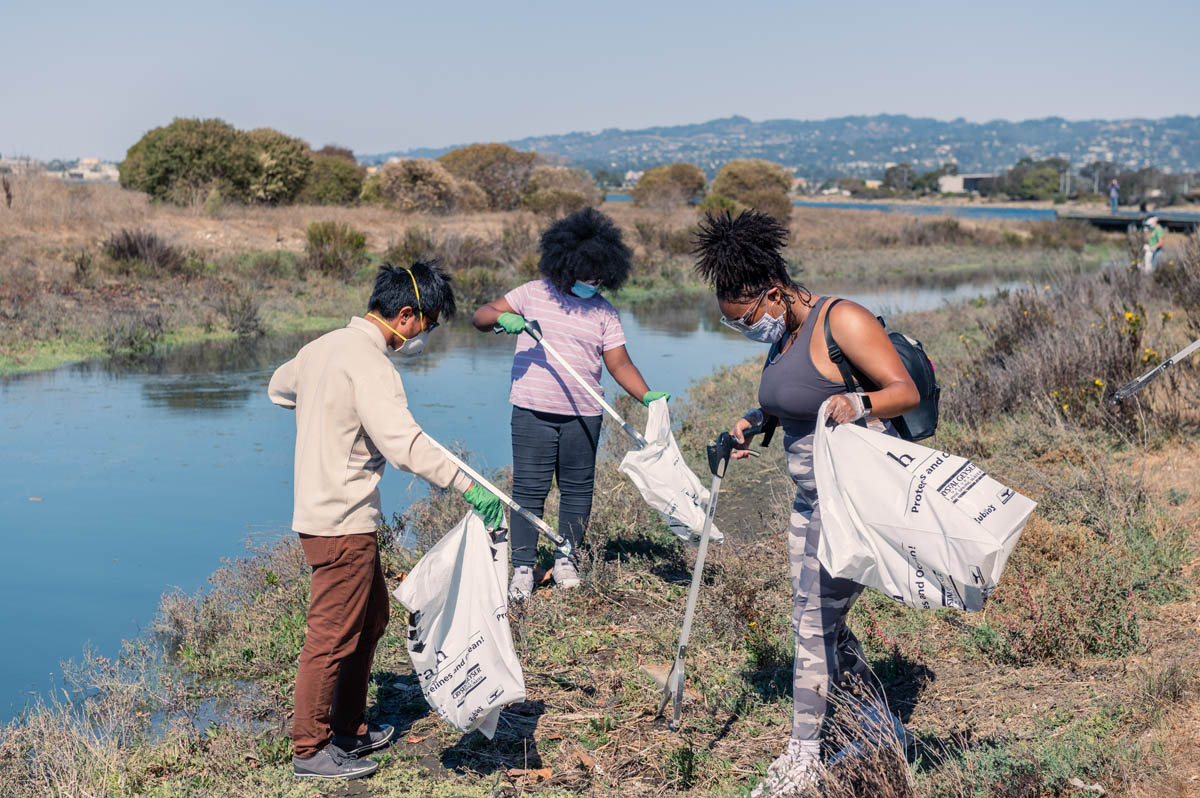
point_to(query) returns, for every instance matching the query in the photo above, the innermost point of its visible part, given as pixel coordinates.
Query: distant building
(962, 184)
(872, 183)
(631, 177)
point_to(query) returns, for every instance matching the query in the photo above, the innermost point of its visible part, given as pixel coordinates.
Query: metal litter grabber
(563, 545)
(1126, 391)
(719, 452)
(535, 331)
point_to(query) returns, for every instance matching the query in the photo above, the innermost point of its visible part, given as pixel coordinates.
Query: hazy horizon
(380, 77)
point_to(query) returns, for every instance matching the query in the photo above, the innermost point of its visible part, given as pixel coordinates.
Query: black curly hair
(742, 257)
(396, 288)
(586, 245)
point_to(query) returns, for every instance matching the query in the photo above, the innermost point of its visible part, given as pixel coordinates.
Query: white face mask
(413, 346)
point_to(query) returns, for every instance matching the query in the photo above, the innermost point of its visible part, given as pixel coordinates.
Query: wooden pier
(1123, 220)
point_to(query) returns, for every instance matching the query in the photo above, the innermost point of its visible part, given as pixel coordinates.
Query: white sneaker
(797, 770)
(565, 574)
(521, 586)
(881, 728)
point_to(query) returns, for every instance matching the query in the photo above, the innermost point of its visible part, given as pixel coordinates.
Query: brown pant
(347, 615)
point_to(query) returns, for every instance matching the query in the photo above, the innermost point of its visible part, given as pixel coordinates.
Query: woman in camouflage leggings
(742, 258)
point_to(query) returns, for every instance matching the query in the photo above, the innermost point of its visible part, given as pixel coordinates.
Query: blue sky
(80, 79)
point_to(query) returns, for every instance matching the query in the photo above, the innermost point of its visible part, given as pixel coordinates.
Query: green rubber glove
(652, 395)
(487, 504)
(511, 323)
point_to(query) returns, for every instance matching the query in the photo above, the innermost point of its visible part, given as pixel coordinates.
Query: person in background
(1114, 195)
(352, 418)
(742, 258)
(1153, 248)
(555, 424)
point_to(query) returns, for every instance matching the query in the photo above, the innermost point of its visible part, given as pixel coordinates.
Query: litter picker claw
(1126, 391)
(719, 453)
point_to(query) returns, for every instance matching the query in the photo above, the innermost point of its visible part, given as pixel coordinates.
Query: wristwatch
(866, 400)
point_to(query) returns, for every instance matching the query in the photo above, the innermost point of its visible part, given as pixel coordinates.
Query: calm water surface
(118, 482)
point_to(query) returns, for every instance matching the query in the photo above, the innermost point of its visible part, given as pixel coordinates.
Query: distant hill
(865, 145)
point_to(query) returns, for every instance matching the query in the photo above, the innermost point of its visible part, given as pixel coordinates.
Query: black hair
(742, 257)
(394, 290)
(586, 245)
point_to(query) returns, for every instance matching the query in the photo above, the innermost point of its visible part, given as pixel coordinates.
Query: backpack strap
(850, 376)
(836, 355)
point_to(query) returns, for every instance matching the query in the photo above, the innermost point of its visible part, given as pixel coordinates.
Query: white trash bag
(925, 527)
(660, 473)
(458, 635)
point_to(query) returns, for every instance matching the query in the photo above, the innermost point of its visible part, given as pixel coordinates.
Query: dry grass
(986, 724)
(52, 262)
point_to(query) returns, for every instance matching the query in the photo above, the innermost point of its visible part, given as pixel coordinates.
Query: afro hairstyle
(741, 257)
(586, 245)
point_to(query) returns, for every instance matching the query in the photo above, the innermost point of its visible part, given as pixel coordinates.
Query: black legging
(545, 446)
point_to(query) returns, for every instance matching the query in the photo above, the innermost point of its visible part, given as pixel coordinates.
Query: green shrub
(271, 265)
(372, 190)
(558, 190)
(422, 185)
(1039, 184)
(769, 201)
(1084, 608)
(1058, 353)
(133, 334)
(416, 244)
(336, 151)
(499, 170)
(667, 186)
(717, 203)
(241, 313)
(182, 161)
(335, 249)
(333, 180)
(213, 203)
(761, 185)
(283, 164)
(1063, 233)
(128, 248)
(480, 284)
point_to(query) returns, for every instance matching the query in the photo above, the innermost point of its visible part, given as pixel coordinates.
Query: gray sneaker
(797, 770)
(332, 762)
(565, 574)
(377, 736)
(521, 586)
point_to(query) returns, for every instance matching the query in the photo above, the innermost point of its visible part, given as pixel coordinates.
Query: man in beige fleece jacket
(352, 417)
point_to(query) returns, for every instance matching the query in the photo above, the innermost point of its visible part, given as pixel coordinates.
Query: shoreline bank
(1076, 670)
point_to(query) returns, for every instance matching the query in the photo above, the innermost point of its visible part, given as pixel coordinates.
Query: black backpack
(918, 423)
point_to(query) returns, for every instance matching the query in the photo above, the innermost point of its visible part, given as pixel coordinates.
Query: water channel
(119, 481)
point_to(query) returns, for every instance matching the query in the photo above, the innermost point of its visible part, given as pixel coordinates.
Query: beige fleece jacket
(351, 417)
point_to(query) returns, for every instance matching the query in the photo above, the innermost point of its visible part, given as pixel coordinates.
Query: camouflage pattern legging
(828, 656)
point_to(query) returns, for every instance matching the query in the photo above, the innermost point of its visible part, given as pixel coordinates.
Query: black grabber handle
(719, 452)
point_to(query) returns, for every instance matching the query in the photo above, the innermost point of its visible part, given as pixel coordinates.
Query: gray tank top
(791, 388)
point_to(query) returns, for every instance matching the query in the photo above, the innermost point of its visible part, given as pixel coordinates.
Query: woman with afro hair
(555, 424)
(741, 257)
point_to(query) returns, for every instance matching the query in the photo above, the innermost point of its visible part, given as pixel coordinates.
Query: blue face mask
(584, 290)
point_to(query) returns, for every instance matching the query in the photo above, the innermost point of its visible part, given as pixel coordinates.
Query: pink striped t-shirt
(580, 330)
